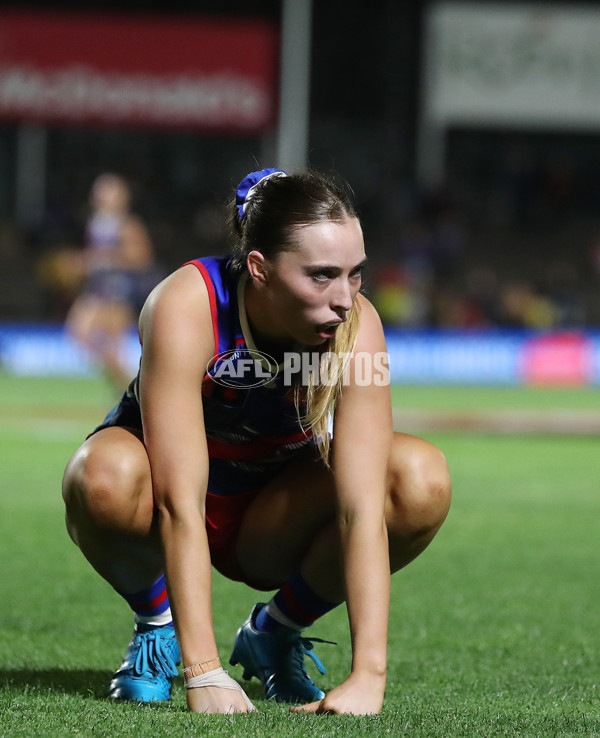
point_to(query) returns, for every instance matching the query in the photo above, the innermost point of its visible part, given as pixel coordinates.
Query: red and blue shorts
(224, 516)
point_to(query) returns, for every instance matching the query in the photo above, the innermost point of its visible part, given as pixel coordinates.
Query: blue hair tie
(246, 187)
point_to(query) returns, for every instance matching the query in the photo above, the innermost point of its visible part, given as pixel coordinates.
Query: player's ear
(257, 267)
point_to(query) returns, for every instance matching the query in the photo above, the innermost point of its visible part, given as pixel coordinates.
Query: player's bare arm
(361, 447)
(177, 339)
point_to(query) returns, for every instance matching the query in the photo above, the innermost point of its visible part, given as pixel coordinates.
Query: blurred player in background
(118, 271)
(296, 483)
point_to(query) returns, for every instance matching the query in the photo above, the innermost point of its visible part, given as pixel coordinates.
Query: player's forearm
(188, 573)
(368, 595)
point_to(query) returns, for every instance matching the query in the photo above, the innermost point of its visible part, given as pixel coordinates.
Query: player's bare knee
(419, 490)
(99, 487)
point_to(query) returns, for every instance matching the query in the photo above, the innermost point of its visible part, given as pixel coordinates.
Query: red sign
(562, 359)
(131, 70)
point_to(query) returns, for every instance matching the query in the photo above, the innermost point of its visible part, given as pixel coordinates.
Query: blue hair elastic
(246, 187)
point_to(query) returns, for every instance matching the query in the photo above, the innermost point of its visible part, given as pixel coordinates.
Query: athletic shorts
(224, 516)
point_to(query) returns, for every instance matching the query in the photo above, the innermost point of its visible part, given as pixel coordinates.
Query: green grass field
(494, 631)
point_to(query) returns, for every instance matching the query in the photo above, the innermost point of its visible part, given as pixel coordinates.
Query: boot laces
(304, 647)
(153, 655)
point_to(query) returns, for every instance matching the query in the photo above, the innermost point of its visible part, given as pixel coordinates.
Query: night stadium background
(470, 132)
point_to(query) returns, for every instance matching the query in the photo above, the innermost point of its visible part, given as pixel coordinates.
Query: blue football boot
(149, 666)
(277, 660)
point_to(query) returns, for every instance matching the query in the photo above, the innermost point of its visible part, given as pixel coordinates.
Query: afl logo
(242, 368)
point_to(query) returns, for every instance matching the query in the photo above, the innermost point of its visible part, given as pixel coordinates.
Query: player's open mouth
(327, 330)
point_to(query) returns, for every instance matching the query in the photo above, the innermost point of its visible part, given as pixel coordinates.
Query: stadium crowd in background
(515, 245)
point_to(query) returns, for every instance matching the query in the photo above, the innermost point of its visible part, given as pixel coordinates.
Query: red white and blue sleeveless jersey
(251, 420)
(252, 428)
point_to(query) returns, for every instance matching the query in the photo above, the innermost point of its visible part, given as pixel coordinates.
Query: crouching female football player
(257, 438)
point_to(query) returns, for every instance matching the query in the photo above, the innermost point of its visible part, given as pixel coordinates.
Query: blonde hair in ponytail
(322, 397)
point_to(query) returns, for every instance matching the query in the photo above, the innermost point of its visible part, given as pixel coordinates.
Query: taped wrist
(218, 678)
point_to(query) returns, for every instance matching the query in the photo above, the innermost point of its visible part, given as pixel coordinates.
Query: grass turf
(494, 630)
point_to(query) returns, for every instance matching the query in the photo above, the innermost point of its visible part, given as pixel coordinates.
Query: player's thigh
(116, 317)
(83, 317)
(285, 517)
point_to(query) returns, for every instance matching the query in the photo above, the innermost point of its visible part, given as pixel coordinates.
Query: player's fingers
(310, 707)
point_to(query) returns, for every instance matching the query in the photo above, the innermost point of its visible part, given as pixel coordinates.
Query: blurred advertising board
(494, 357)
(47, 350)
(523, 65)
(513, 63)
(143, 69)
(416, 357)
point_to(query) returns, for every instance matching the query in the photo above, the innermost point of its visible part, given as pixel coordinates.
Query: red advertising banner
(96, 68)
(558, 358)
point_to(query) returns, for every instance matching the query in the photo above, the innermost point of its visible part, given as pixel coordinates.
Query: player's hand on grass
(214, 700)
(357, 695)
